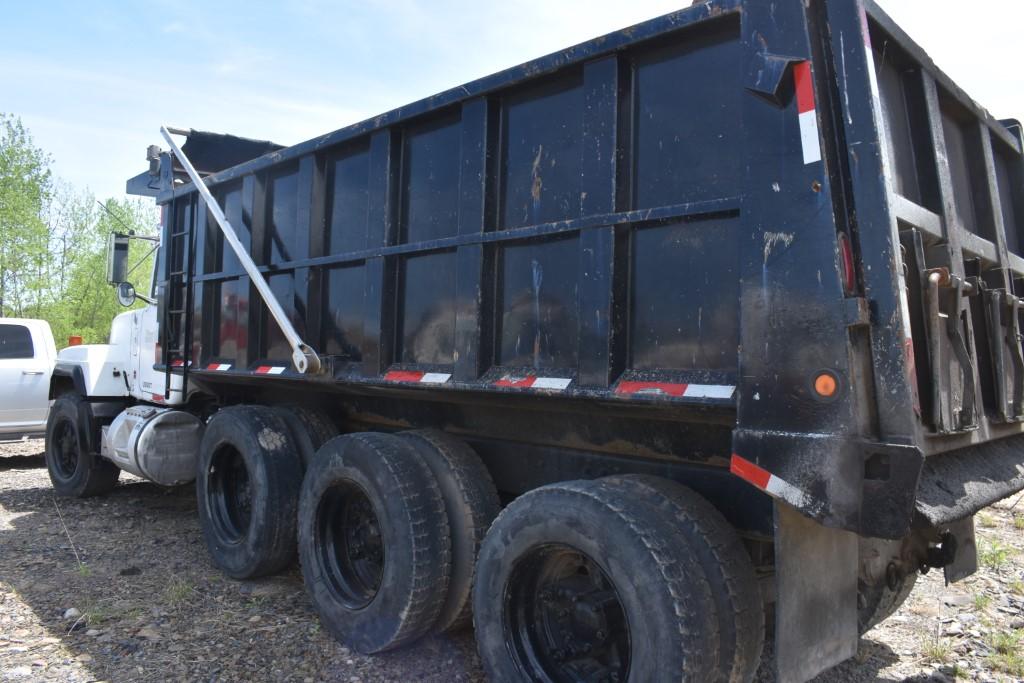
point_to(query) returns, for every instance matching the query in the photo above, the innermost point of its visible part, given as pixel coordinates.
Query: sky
(94, 81)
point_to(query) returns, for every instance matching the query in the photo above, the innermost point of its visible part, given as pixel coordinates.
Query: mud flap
(816, 589)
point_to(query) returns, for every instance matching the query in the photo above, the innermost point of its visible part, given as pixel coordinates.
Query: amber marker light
(825, 384)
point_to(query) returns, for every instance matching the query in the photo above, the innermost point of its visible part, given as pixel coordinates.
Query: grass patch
(178, 591)
(985, 520)
(1017, 586)
(1018, 522)
(1008, 652)
(938, 649)
(83, 570)
(97, 613)
(982, 601)
(994, 555)
(256, 601)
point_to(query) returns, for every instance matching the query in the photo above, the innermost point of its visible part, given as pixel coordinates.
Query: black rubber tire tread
(471, 502)
(410, 510)
(94, 475)
(311, 428)
(727, 566)
(265, 443)
(886, 602)
(664, 594)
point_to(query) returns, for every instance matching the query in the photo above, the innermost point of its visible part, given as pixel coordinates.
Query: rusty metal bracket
(944, 293)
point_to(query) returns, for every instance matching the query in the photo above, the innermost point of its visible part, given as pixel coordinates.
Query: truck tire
(727, 566)
(75, 471)
(247, 485)
(471, 503)
(584, 580)
(373, 541)
(311, 428)
(877, 603)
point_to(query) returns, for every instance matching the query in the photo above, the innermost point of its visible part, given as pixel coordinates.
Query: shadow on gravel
(22, 462)
(871, 658)
(150, 606)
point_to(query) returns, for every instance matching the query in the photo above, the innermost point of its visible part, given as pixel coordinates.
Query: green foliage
(53, 243)
(1007, 655)
(25, 185)
(994, 555)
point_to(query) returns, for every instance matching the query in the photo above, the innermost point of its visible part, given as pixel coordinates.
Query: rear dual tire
(247, 486)
(374, 543)
(583, 581)
(389, 529)
(471, 504)
(624, 578)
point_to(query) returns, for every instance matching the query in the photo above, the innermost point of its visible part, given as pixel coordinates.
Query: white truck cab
(27, 356)
(124, 367)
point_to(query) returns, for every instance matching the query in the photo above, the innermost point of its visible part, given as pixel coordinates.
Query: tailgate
(955, 179)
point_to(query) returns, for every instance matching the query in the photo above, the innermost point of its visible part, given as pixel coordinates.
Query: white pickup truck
(27, 357)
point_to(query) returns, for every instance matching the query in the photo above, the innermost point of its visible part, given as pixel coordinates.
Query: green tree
(80, 301)
(53, 243)
(25, 186)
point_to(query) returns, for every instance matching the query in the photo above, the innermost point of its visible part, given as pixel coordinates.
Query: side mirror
(126, 294)
(117, 258)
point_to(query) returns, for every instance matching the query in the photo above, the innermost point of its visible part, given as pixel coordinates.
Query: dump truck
(694, 337)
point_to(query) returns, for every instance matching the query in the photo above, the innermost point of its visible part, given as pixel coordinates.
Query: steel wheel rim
(564, 619)
(350, 545)
(66, 451)
(229, 494)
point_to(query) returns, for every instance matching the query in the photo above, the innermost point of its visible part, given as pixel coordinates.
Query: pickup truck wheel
(471, 502)
(727, 566)
(585, 580)
(311, 428)
(247, 486)
(373, 541)
(74, 471)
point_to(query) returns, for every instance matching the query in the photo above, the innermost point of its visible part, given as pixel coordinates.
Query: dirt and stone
(120, 588)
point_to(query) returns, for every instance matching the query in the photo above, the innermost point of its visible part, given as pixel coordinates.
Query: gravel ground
(119, 588)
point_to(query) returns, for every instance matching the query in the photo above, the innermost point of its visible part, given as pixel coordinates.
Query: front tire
(74, 471)
(583, 580)
(247, 486)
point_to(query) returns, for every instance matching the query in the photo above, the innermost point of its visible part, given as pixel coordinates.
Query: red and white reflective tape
(177, 363)
(721, 391)
(534, 382)
(158, 398)
(417, 377)
(805, 108)
(767, 482)
(219, 367)
(269, 370)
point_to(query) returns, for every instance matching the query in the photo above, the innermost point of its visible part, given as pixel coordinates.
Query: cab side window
(15, 342)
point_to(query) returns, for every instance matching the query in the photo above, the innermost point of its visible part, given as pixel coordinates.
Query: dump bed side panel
(571, 228)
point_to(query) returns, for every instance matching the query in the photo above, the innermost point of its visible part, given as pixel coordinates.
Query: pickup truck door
(24, 379)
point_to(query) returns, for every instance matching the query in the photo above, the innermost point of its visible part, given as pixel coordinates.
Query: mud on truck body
(697, 334)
